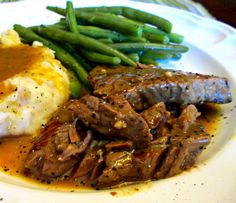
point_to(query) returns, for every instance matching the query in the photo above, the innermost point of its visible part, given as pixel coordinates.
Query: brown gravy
(13, 151)
(16, 59)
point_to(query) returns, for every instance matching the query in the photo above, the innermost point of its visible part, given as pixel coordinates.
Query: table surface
(223, 10)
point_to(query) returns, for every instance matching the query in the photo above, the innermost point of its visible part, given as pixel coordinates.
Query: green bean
(151, 56)
(105, 40)
(72, 24)
(134, 14)
(147, 60)
(112, 21)
(25, 41)
(177, 56)
(60, 53)
(134, 57)
(174, 37)
(157, 38)
(118, 10)
(33, 28)
(56, 25)
(161, 55)
(74, 53)
(155, 55)
(70, 17)
(69, 48)
(97, 33)
(87, 42)
(135, 47)
(75, 87)
(100, 58)
(145, 17)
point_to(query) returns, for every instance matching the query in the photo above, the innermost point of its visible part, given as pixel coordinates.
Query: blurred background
(222, 10)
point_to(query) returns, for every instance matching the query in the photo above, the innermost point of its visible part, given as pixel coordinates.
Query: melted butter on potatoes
(33, 84)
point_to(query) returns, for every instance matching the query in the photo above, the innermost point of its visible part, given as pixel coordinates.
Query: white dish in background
(212, 50)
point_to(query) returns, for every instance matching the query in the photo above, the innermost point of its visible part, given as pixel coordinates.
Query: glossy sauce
(14, 60)
(17, 59)
(6, 89)
(13, 151)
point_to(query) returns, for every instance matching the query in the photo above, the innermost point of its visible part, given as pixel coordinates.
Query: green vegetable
(75, 53)
(157, 38)
(100, 58)
(105, 40)
(60, 53)
(70, 17)
(161, 55)
(147, 29)
(134, 57)
(135, 47)
(84, 41)
(177, 56)
(75, 87)
(134, 14)
(147, 60)
(155, 55)
(97, 33)
(127, 33)
(57, 25)
(114, 22)
(174, 37)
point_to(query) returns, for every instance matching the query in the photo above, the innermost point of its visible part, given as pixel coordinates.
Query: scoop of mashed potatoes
(33, 84)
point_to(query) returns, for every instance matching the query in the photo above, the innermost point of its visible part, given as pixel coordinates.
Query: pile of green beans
(86, 37)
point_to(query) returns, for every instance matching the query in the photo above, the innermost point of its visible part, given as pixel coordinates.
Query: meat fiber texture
(126, 131)
(84, 142)
(143, 87)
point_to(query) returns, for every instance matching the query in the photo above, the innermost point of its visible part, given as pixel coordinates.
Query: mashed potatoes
(33, 84)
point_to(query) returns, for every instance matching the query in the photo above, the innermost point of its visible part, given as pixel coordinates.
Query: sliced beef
(89, 164)
(169, 156)
(156, 115)
(42, 160)
(182, 151)
(125, 167)
(143, 87)
(76, 149)
(114, 118)
(119, 145)
(172, 152)
(185, 140)
(53, 154)
(101, 142)
(188, 116)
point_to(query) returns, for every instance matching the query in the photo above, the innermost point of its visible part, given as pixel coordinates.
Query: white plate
(213, 51)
